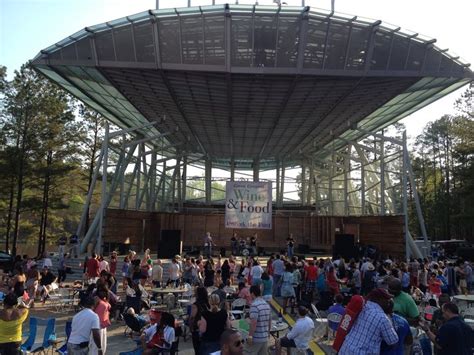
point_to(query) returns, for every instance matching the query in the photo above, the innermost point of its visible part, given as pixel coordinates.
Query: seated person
(338, 308)
(141, 319)
(159, 338)
(243, 292)
(144, 294)
(301, 334)
(222, 295)
(47, 279)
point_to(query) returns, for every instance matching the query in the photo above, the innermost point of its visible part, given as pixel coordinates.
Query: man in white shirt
(157, 273)
(174, 273)
(278, 269)
(256, 273)
(301, 334)
(83, 324)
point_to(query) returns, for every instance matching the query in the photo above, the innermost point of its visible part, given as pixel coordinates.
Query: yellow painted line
(312, 344)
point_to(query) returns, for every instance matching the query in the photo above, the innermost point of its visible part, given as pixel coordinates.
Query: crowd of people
(393, 296)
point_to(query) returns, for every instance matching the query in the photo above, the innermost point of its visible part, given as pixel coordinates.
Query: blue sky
(27, 26)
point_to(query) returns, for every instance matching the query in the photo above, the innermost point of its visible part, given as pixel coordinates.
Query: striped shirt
(260, 310)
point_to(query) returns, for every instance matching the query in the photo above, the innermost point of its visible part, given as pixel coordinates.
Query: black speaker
(344, 246)
(169, 244)
(303, 249)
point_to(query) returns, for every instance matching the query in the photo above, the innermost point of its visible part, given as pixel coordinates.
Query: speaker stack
(169, 244)
(344, 246)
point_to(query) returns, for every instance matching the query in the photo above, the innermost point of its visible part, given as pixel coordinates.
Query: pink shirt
(103, 311)
(245, 294)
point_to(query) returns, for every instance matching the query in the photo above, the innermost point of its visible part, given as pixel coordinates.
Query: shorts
(287, 343)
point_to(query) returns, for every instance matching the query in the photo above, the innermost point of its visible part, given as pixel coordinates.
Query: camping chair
(320, 323)
(237, 307)
(63, 349)
(36, 326)
(134, 302)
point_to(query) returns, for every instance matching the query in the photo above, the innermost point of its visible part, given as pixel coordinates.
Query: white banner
(248, 205)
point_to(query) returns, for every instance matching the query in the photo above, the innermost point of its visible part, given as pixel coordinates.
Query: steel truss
(367, 177)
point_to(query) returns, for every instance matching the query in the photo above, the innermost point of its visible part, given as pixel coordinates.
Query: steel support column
(208, 181)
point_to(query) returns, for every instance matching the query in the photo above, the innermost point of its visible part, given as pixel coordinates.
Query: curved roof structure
(252, 83)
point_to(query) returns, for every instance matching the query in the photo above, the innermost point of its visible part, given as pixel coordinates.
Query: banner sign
(248, 205)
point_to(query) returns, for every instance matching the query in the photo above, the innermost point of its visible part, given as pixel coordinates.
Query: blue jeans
(290, 252)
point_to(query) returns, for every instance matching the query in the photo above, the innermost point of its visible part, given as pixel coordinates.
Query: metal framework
(368, 177)
(287, 94)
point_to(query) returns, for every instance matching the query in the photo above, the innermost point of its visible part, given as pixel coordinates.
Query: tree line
(49, 143)
(443, 163)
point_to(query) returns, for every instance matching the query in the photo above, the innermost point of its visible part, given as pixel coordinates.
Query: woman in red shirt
(434, 285)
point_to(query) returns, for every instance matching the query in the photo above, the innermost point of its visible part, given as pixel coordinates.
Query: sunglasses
(238, 342)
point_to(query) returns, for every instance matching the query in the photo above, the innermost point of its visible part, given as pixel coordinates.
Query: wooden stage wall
(137, 228)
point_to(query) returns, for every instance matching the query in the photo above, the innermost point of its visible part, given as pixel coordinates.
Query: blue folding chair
(63, 349)
(36, 326)
(137, 351)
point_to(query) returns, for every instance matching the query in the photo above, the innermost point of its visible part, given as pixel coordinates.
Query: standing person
(260, 324)
(62, 269)
(402, 328)
(225, 271)
(356, 280)
(290, 243)
(454, 336)
(256, 273)
(188, 271)
(32, 282)
(92, 268)
(278, 270)
(371, 327)
(17, 283)
(404, 304)
(113, 263)
(61, 245)
(174, 273)
(102, 309)
(12, 318)
(253, 244)
(125, 270)
(84, 323)
(212, 324)
(434, 285)
(208, 244)
(267, 287)
(209, 273)
(103, 264)
(234, 244)
(300, 335)
(413, 268)
(74, 245)
(468, 275)
(197, 309)
(287, 289)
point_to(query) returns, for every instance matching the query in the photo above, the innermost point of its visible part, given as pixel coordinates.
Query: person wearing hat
(371, 327)
(300, 335)
(368, 278)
